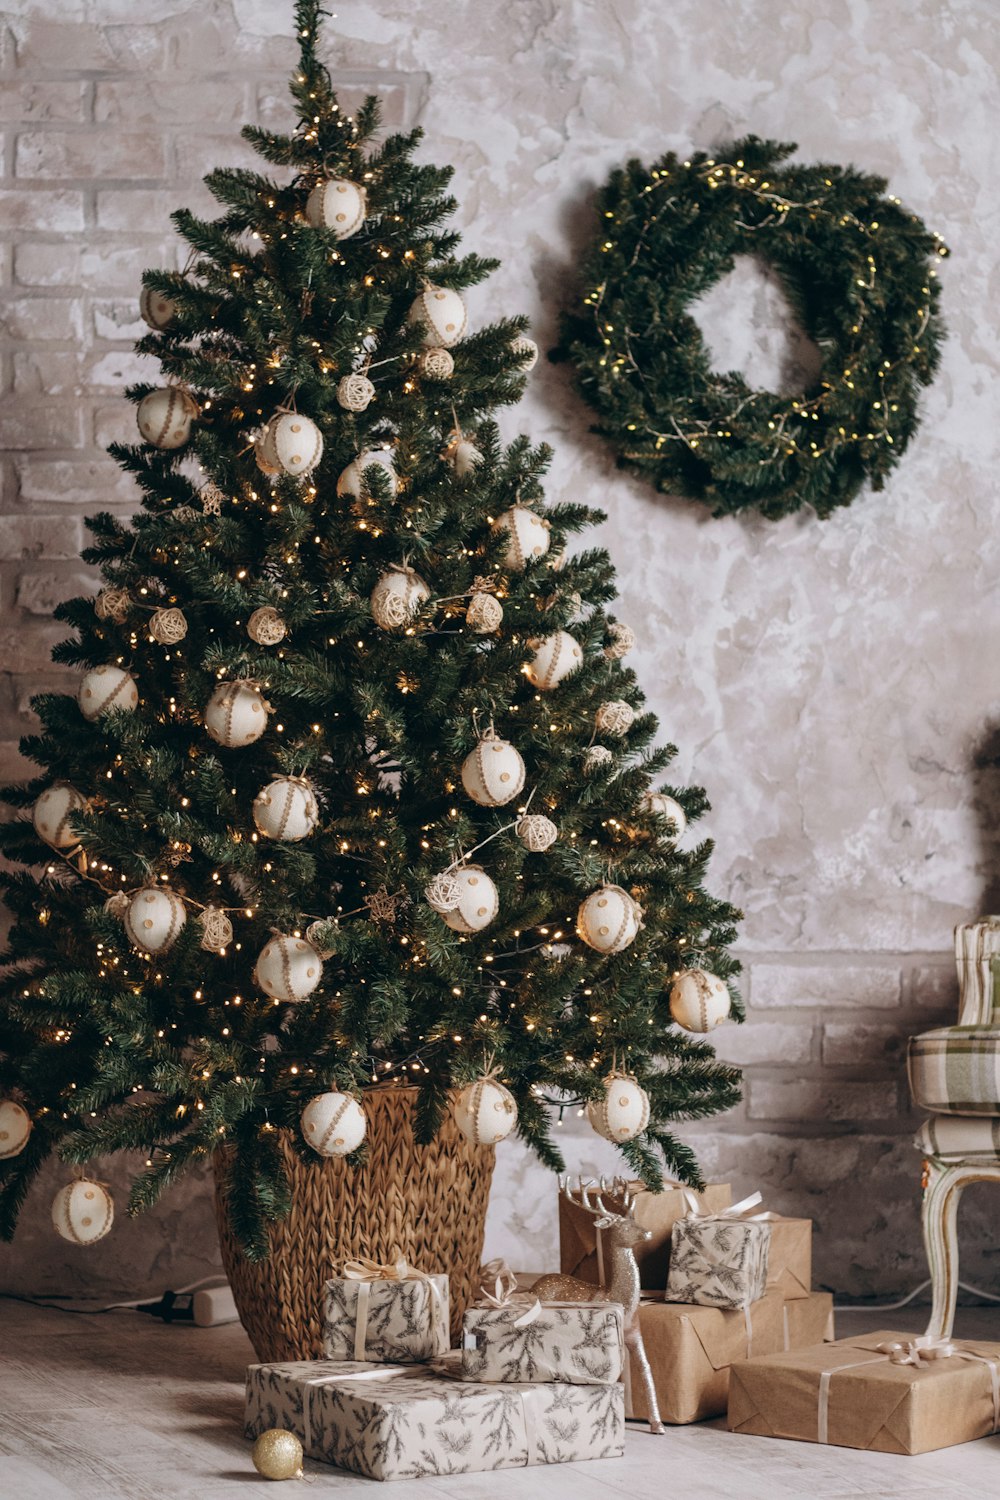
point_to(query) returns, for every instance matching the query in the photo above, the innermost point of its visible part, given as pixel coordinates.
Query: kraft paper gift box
(690, 1349)
(657, 1212)
(789, 1266)
(390, 1314)
(405, 1421)
(580, 1343)
(884, 1392)
(719, 1260)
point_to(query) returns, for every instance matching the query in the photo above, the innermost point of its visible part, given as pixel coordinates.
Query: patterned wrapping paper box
(386, 1321)
(580, 1343)
(718, 1261)
(657, 1212)
(406, 1422)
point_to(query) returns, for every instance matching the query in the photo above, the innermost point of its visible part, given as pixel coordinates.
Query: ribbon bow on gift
(366, 1271)
(914, 1350)
(499, 1289)
(735, 1210)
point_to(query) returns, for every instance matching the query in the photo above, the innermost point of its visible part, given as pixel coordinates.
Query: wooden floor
(120, 1407)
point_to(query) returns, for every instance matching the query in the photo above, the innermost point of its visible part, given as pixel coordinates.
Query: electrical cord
(964, 1286)
(166, 1307)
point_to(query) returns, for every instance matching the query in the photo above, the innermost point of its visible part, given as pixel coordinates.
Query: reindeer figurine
(622, 1280)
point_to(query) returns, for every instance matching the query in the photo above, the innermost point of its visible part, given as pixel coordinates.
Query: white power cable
(965, 1286)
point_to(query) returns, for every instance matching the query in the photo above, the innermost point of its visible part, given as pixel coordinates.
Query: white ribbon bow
(499, 1289)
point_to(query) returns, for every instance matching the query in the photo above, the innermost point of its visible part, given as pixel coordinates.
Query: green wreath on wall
(858, 270)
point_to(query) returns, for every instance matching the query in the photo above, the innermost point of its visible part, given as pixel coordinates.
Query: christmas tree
(356, 786)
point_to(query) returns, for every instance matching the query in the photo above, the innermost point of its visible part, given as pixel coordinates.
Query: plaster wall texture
(832, 685)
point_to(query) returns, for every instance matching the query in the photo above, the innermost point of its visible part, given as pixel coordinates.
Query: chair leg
(942, 1191)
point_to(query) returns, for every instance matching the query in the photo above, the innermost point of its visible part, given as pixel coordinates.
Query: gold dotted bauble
(277, 1454)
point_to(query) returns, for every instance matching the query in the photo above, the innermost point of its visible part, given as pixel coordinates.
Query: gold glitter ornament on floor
(277, 1454)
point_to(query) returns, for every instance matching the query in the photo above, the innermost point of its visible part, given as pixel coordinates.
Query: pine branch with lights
(356, 787)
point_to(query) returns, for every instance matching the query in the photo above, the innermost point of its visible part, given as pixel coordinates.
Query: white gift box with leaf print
(718, 1260)
(386, 1321)
(581, 1343)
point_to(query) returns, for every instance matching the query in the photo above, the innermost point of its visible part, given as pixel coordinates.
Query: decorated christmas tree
(357, 786)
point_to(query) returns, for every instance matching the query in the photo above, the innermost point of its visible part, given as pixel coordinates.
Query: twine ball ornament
(536, 832)
(236, 714)
(52, 815)
(484, 614)
(277, 1454)
(351, 481)
(355, 392)
(555, 658)
(15, 1128)
(478, 901)
(397, 597)
(623, 1111)
(462, 455)
(485, 1111)
(291, 444)
(117, 905)
(595, 758)
(156, 310)
(165, 417)
(527, 537)
(333, 1124)
(615, 717)
(288, 968)
(608, 919)
(436, 364)
(699, 1000)
(317, 931)
(493, 773)
(168, 626)
(266, 627)
(527, 350)
(155, 918)
(83, 1212)
(105, 689)
(441, 314)
(337, 204)
(661, 805)
(444, 892)
(113, 604)
(216, 929)
(621, 643)
(286, 809)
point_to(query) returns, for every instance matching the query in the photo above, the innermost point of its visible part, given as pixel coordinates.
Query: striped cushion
(956, 1070)
(951, 1138)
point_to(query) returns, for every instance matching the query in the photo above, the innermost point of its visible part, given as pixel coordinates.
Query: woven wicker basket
(427, 1201)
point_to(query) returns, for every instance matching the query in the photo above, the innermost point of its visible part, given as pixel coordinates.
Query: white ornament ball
(665, 807)
(53, 812)
(104, 689)
(463, 456)
(291, 444)
(286, 809)
(484, 614)
(156, 310)
(397, 598)
(265, 463)
(441, 314)
(615, 717)
(15, 1128)
(485, 1111)
(596, 757)
(527, 536)
(333, 1124)
(351, 481)
(236, 714)
(527, 350)
(608, 920)
(493, 773)
(436, 364)
(355, 392)
(555, 658)
(537, 833)
(337, 204)
(165, 417)
(478, 901)
(155, 918)
(621, 643)
(623, 1113)
(288, 968)
(699, 1000)
(83, 1212)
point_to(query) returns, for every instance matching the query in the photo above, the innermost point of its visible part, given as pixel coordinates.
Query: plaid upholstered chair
(955, 1073)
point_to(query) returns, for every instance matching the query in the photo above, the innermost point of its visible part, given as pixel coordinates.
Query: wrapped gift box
(789, 1265)
(657, 1212)
(581, 1343)
(405, 1422)
(718, 1261)
(856, 1396)
(690, 1349)
(387, 1320)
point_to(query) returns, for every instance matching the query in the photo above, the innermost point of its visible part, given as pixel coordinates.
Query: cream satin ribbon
(916, 1352)
(499, 1289)
(365, 1272)
(735, 1210)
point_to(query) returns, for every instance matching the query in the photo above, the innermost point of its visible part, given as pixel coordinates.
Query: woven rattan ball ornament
(216, 929)
(397, 597)
(623, 1111)
(621, 643)
(462, 455)
(236, 714)
(113, 604)
(444, 892)
(596, 758)
(608, 919)
(615, 717)
(165, 417)
(485, 1111)
(156, 310)
(527, 350)
(351, 481)
(266, 627)
(699, 1000)
(478, 901)
(337, 204)
(663, 806)
(53, 812)
(527, 537)
(333, 1124)
(355, 392)
(291, 444)
(155, 918)
(277, 1454)
(168, 626)
(555, 658)
(105, 689)
(286, 809)
(15, 1128)
(117, 905)
(288, 968)
(83, 1212)
(441, 314)
(436, 364)
(536, 832)
(484, 614)
(493, 773)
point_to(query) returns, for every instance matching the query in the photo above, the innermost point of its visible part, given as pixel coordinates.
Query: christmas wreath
(858, 271)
